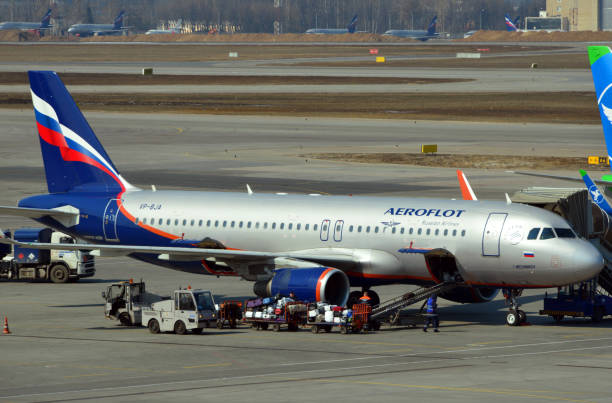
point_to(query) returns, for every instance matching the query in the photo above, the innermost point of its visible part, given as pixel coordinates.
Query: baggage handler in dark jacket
(431, 317)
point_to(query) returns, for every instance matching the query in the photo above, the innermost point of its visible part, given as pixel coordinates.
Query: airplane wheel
(374, 298)
(522, 316)
(512, 319)
(353, 298)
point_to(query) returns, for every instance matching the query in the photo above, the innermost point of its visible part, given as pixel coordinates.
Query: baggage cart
(230, 312)
(292, 315)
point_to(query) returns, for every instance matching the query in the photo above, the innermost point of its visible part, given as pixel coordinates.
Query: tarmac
(61, 348)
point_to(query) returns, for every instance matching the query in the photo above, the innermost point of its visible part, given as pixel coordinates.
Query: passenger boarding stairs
(391, 308)
(605, 279)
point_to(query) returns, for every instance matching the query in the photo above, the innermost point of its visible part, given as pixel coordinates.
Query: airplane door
(338, 226)
(325, 230)
(492, 233)
(109, 224)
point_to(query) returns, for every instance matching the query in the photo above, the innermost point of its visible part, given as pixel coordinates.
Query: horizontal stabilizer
(68, 216)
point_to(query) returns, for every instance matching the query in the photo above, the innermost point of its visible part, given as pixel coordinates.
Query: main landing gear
(515, 316)
(355, 295)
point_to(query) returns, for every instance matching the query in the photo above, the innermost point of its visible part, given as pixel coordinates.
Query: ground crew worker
(365, 298)
(431, 317)
(292, 296)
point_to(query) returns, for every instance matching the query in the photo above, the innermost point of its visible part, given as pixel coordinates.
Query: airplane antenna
(508, 201)
(249, 191)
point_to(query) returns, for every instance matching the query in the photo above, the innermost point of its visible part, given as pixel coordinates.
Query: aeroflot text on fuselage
(433, 212)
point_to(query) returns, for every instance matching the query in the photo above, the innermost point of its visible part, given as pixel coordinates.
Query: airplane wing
(66, 215)
(176, 253)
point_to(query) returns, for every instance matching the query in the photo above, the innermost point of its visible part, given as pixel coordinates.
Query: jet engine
(324, 284)
(470, 294)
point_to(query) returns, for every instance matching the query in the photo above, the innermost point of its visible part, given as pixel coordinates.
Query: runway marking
(223, 364)
(82, 375)
(484, 343)
(589, 355)
(284, 374)
(460, 350)
(459, 389)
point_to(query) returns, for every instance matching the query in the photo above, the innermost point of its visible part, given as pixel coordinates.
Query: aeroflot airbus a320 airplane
(316, 246)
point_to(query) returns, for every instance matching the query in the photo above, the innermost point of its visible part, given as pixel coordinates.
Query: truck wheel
(124, 319)
(179, 327)
(153, 326)
(58, 274)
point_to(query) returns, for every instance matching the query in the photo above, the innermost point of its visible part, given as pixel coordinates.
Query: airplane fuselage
(394, 240)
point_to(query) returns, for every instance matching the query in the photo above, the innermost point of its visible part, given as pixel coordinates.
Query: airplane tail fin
(600, 58)
(431, 29)
(73, 157)
(44, 23)
(466, 190)
(352, 25)
(597, 197)
(510, 25)
(118, 23)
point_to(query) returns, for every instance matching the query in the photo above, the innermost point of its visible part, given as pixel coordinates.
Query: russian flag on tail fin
(73, 157)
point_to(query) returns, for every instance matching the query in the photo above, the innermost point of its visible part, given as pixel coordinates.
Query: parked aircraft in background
(177, 29)
(350, 28)
(511, 26)
(596, 195)
(316, 246)
(416, 34)
(28, 26)
(116, 28)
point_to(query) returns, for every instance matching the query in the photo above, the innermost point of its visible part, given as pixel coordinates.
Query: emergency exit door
(492, 234)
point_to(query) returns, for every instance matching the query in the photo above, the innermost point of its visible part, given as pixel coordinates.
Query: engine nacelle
(318, 284)
(470, 294)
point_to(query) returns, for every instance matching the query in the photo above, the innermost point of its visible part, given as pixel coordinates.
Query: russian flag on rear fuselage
(528, 254)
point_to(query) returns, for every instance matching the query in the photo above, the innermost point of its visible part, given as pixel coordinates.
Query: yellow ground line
(82, 375)
(589, 355)
(457, 389)
(485, 343)
(223, 364)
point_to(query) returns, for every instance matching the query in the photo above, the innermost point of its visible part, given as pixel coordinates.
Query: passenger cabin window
(257, 225)
(240, 224)
(533, 234)
(315, 227)
(224, 223)
(298, 226)
(376, 230)
(402, 230)
(273, 225)
(144, 220)
(249, 224)
(290, 226)
(282, 225)
(161, 220)
(359, 228)
(565, 233)
(192, 222)
(462, 232)
(176, 221)
(265, 225)
(184, 223)
(216, 223)
(208, 223)
(393, 230)
(350, 228)
(306, 227)
(200, 223)
(233, 224)
(168, 221)
(547, 233)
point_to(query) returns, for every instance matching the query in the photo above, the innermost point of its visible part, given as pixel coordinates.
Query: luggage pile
(324, 317)
(264, 312)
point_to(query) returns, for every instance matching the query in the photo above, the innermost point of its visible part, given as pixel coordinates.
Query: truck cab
(125, 300)
(57, 266)
(187, 310)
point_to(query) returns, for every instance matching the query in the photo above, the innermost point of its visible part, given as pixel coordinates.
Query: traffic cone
(6, 329)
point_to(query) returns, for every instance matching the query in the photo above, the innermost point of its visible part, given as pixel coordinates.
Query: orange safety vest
(365, 298)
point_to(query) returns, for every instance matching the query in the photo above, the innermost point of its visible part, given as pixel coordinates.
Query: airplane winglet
(249, 191)
(466, 189)
(596, 195)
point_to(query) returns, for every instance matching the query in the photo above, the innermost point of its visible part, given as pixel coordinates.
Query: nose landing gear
(515, 316)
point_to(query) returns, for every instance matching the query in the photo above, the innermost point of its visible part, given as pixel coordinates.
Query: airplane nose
(588, 262)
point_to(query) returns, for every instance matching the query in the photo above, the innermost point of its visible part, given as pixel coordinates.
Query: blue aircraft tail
(600, 58)
(510, 25)
(44, 23)
(352, 25)
(118, 23)
(597, 197)
(73, 157)
(431, 29)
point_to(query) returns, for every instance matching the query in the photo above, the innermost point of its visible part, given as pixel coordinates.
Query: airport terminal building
(581, 15)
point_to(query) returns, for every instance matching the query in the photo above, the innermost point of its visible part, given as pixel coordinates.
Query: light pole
(482, 10)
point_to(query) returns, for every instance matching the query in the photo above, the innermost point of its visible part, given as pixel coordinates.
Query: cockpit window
(565, 233)
(547, 233)
(533, 234)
